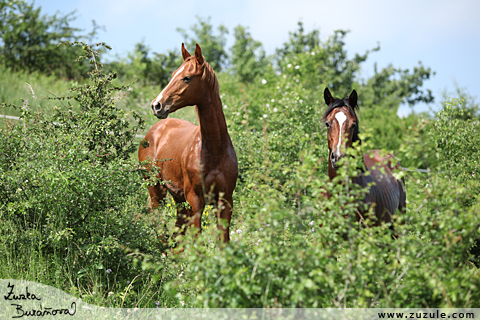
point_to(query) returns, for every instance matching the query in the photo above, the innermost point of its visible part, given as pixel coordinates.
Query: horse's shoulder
(174, 123)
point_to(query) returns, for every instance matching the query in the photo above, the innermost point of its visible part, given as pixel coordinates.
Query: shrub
(71, 198)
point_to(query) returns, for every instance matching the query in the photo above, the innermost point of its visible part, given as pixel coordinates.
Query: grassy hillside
(36, 88)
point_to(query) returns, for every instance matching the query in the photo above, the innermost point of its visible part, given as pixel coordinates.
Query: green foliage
(458, 154)
(103, 125)
(70, 196)
(391, 86)
(313, 253)
(139, 64)
(319, 64)
(248, 57)
(299, 42)
(469, 108)
(29, 40)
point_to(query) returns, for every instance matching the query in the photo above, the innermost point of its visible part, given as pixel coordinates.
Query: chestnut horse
(200, 160)
(386, 194)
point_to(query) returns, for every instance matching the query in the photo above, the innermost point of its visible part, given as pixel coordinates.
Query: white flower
(273, 100)
(296, 80)
(297, 67)
(311, 223)
(264, 116)
(225, 106)
(268, 105)
(261, 229)
(313, 53)
(264, 81)
(239, 231)
(313, 230)
(274, 109)
(289, 65)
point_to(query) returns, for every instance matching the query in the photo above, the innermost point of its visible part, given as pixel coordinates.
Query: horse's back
(167, 139)
(387, 193)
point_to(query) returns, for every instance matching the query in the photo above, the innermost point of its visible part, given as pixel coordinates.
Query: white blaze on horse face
(341, 117)
(160, 96)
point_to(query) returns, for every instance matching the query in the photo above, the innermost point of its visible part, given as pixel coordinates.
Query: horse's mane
(208, 74)
(338, 103)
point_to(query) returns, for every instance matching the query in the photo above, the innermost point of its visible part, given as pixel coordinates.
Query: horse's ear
(327, 96)
(198, 54)
(352, 99)
(185, 53)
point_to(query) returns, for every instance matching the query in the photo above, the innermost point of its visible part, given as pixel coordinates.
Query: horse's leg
(189, 216)
(156, 194)
(197, 205)
(225, 206)
(182, 218)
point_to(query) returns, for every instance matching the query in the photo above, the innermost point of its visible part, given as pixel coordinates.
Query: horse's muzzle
(160, 111)
(334, 158)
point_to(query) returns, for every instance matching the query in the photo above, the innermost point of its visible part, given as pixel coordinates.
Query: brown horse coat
(386, 194)
(200, 162)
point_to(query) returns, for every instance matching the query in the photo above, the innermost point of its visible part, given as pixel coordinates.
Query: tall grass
(16, 86)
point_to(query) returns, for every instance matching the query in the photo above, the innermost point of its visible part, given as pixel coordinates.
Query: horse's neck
(332, 173)
(213, 127)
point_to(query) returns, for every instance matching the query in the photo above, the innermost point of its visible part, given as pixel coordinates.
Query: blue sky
(443, 35)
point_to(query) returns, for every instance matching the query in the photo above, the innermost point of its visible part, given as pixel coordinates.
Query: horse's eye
(353, 126)
(187, 79)
(327, 125)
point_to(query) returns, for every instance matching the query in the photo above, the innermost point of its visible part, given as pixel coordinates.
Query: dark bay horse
(201, 159)
(387, 194)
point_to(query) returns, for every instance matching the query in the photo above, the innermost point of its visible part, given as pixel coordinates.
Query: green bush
(71, 199)
(30, 39)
